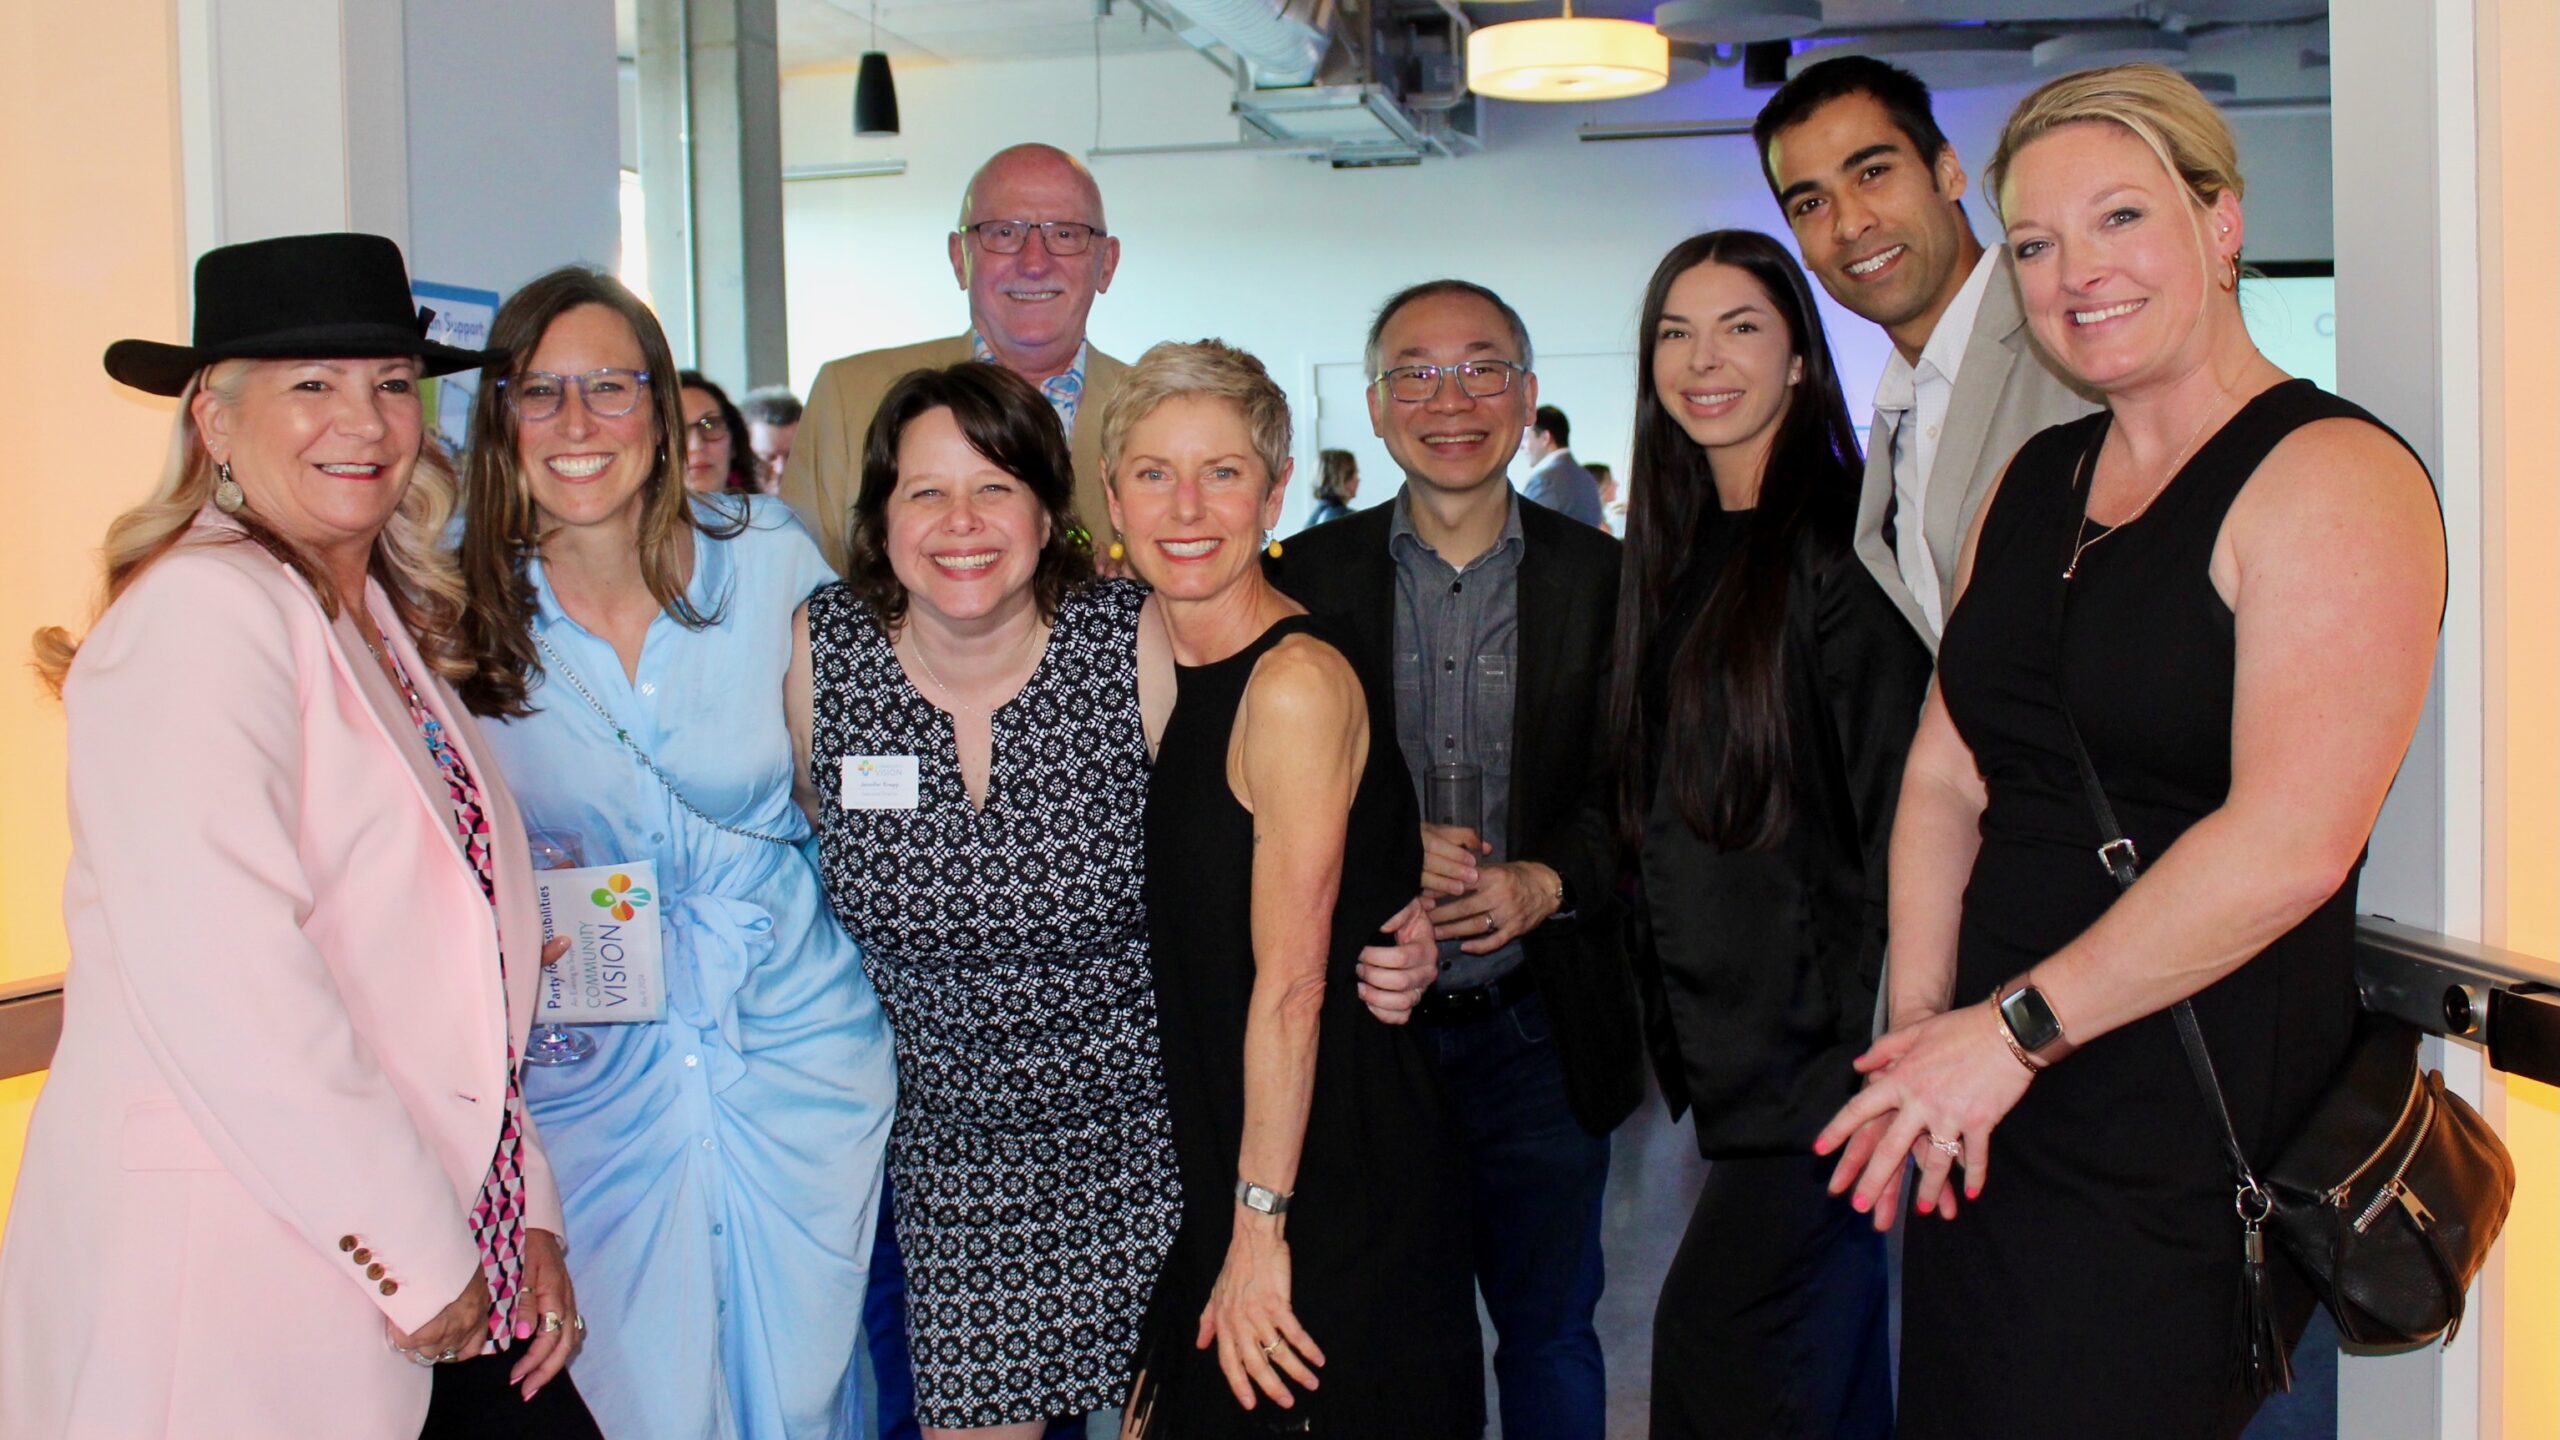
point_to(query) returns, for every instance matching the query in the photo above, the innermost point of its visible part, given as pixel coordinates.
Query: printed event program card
(615, 971)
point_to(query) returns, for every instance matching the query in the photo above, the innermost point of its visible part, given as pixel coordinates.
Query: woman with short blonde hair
(1320, 1282)
(2220, 596)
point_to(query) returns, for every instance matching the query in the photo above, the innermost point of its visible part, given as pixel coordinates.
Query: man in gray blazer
(1874, 194)
(1555, 479)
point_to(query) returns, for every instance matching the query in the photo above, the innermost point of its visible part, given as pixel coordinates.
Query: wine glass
(552, 1043)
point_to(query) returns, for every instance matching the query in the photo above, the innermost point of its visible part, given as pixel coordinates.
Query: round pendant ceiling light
(1567, 59)
(1736, 22)
(1945, 59)
(2113, 45)
(1997, 12)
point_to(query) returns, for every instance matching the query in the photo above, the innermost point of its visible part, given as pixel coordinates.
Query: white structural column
(294, 118)
(711, 167)
(2391, 148)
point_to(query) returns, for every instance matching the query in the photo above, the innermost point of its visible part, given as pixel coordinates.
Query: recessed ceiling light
(2258, 10)
(1945, 59)
(2114, 45)
(1737, 22)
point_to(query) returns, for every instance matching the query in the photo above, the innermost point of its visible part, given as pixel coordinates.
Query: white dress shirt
(1911, 410)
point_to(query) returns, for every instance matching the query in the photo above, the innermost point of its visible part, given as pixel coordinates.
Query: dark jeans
(1772, 1321)
(1537, 1178)
(473, 1401)
(884, 1329)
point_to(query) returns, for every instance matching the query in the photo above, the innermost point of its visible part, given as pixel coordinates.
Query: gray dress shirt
(1456, 673)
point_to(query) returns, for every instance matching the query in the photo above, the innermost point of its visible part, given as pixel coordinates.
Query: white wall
(1288, 257)
(514, 141)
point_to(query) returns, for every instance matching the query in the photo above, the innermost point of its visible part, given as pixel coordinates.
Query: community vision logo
(619, 898)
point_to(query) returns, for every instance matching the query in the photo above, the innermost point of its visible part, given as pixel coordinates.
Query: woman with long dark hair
(627, 639)
(1764, 694)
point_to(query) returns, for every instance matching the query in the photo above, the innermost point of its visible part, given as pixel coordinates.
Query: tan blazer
(2006, 390)
(826, 457)
(284, 1045)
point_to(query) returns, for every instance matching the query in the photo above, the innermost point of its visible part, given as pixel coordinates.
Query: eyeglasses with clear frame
(608, 393)
(1420, 384)
(1058, 237)
(707, 429)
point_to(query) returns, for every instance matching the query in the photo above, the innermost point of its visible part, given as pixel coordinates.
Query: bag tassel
(2265, 1356)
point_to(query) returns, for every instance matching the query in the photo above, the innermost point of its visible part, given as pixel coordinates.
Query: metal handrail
(30, 1024)
(2505, 1001)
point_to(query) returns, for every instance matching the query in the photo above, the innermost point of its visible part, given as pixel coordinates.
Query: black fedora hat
(297, 297)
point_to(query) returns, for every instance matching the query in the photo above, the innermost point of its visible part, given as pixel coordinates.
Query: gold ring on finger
(551, 1322)
(1488, 922)
(1270, 1348)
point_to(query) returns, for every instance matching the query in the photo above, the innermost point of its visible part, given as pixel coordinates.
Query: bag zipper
(2396, 1187)
(2339, 1193)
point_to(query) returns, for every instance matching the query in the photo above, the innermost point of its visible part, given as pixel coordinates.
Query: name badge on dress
(879, 782)
(615, 971)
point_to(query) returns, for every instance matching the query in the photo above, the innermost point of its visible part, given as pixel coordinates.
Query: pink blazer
(284, 1040)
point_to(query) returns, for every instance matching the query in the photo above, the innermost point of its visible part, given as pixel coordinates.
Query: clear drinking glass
(1453, 794)
(552, 1044)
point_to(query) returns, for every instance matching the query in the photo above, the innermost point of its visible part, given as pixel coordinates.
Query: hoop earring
(227, 495)
(2233, 283)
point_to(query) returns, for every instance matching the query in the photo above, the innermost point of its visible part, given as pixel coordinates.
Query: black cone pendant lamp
(875, 93)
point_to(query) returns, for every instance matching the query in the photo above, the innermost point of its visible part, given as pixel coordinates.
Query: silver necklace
(2168, 473)
(553, 664)
(989, 713)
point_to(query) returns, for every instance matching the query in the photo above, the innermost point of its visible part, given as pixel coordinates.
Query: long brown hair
(501, 530)
(409, 560)
(1733, 660)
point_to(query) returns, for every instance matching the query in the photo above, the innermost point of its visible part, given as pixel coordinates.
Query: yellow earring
(1272, 549)
(1119, 551)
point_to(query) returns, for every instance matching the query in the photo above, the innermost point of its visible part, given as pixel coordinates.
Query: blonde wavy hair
(1202, 367)
(409, 559)
(2157, 105)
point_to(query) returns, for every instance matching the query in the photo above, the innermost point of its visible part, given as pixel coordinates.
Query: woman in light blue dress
(721, 1167)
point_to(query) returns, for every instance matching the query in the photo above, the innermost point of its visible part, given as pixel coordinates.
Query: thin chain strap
(552, 661)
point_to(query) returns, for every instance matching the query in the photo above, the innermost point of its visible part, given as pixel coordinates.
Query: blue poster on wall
(461, 318)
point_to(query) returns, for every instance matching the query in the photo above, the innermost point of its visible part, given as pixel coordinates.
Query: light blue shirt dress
(721, 1167)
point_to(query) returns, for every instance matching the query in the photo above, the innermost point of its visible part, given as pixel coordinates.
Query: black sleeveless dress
(2093, 1290)
(1377, 1230)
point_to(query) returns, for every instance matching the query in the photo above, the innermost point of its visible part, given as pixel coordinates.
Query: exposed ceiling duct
(1282, 49)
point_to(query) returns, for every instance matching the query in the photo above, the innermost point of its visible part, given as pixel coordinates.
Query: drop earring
(1272, 549)
(227, 495)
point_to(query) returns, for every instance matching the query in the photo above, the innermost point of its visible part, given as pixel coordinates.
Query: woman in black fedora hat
(280, 1181)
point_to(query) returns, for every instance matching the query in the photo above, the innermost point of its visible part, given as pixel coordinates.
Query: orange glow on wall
(2519, 112)
(94, 250)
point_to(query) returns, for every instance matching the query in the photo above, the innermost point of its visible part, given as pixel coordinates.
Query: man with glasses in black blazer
(1482, 629)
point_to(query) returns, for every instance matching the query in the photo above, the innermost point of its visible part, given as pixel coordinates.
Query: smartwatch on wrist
(1261, 1199)
(2028, 1023)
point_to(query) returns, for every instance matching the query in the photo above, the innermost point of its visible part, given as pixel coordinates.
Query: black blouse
(1761, 968)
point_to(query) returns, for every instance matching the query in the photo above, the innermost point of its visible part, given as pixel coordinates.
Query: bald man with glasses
(1032, 251)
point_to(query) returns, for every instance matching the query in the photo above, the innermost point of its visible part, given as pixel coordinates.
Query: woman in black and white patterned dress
(975, 714)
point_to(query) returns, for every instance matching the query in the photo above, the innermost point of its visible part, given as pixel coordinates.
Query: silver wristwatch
(1261, 1200)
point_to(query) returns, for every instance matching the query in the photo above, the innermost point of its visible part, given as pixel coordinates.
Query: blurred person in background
(715, 439)
(773, 422)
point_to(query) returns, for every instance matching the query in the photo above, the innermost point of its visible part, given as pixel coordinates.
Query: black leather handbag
(2388, 1198)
